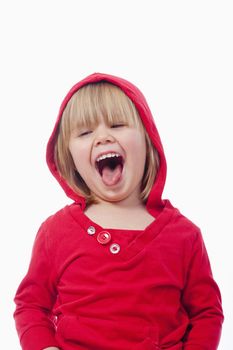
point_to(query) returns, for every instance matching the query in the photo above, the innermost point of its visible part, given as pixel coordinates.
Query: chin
(113, 197)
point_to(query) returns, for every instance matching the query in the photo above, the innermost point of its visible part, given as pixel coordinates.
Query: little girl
(120, 268)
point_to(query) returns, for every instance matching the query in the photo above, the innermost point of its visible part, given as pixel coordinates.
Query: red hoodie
(142, 289)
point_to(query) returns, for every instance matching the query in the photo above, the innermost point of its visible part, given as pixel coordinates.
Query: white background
(179, 53)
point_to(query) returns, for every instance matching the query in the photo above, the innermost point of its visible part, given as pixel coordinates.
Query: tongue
(111, 176)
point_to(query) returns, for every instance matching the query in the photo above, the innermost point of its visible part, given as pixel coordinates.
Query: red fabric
(158, 292)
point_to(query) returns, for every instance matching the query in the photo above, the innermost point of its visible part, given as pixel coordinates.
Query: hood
(154, 203)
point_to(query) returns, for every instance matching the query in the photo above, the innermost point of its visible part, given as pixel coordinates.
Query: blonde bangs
(97, 101)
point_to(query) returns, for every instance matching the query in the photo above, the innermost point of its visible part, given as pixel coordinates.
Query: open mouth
(110, 167)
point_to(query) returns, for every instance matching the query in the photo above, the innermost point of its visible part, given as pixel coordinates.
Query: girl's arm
(35, 298)
(202, 300)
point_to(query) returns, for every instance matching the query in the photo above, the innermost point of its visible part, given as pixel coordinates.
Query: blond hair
(84, 109)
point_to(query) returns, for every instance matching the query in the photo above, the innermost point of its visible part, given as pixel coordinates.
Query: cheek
(137, 142)
(140, 150)
(81, 156)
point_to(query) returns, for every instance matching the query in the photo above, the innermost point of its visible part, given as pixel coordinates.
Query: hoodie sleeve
(35, 298)
(202, 300)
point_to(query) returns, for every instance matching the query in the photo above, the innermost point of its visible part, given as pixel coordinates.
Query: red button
(103, 237)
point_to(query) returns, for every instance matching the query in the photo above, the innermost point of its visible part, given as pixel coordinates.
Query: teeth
(108, 155)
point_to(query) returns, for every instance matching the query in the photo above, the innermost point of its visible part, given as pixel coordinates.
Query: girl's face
(110, 159)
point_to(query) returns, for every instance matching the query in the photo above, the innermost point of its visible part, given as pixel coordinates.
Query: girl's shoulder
(184, 228)
(61, 222)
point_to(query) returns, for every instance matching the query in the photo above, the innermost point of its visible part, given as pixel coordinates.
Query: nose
(103, 136)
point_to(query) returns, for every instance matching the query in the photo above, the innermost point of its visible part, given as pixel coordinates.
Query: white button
(114, 248)
(91, 230)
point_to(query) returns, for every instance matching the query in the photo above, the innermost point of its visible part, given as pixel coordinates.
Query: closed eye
(117, 125)
(85, 133)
